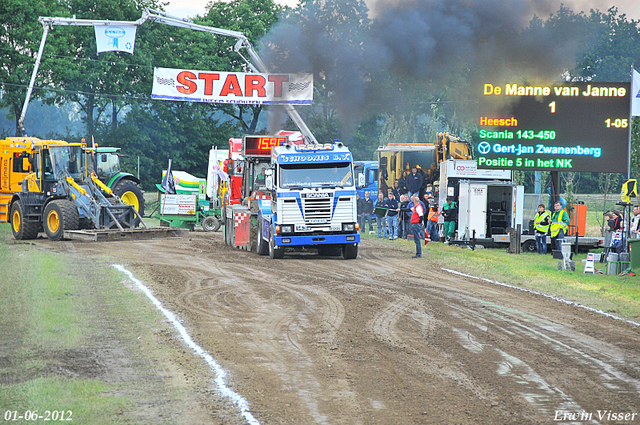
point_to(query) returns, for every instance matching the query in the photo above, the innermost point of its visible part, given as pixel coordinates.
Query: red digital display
(261, 145)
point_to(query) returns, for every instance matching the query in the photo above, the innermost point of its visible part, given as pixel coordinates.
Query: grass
(56, 313)
(612, 294)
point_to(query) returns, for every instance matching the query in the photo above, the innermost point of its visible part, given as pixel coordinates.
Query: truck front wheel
(274, 251)
(60, 215)
(261, 245)
(350, 251)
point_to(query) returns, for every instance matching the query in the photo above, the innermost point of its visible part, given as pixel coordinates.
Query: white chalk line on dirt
(553, 297)
(219, 372)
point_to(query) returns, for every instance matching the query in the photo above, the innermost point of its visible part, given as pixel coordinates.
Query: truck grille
(317, 211)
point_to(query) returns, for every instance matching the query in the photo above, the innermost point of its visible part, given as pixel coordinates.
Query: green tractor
(124, 185)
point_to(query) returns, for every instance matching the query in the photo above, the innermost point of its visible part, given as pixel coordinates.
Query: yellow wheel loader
(50, 186)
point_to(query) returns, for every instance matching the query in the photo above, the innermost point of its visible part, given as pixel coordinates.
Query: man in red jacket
(416, 223)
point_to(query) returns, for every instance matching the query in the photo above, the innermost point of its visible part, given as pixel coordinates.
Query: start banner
(232, 87)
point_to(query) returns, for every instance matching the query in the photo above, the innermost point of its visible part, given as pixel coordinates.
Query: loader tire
(131, 194)
(21, 228)
(60, 215)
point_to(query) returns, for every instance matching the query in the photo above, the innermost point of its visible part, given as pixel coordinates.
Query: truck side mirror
(26, 165)
(360, 179)
(268, 172)
(268, 181)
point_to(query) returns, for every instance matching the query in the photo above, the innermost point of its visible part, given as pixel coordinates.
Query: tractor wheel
(21, 228)
(60, 215)
(131, 194)
(350, 251)
(210, 224)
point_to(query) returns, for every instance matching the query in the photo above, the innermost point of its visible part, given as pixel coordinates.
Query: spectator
(432, 222)
(396, 190)
(416, 224)
(541, 223)
(432, 174)
(635, 223)
(402, 184)
(414, 182)
(405, 216)
(392, 215)
(381, 213)
(559, 225)
(366, 211)
(428, 203)
(616, 224)
(450, 214)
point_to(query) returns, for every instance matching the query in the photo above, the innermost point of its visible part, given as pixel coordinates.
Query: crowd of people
(402, 214)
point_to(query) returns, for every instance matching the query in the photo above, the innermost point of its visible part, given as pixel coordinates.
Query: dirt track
(383, 339)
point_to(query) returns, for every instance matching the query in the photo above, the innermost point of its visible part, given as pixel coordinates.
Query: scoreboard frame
(576, 127)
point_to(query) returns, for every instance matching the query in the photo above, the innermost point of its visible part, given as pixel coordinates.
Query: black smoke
(401, 54)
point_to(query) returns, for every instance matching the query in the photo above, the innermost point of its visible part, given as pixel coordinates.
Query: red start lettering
(185, 78)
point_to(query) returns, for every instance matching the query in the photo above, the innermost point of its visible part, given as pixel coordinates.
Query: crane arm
(255, 63)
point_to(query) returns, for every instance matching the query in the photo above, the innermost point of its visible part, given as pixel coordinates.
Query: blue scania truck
(312, 202)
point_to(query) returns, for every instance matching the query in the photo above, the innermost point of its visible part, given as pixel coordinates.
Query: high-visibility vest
(433, 214)
(557, 223)
(539, 218)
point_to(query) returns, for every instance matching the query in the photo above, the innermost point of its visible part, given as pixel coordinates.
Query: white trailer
(489, 205)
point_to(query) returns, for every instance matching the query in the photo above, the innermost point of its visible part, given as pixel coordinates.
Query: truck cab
(366, 173)
(313, 201)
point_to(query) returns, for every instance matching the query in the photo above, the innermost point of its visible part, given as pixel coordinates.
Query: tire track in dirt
(386, 339)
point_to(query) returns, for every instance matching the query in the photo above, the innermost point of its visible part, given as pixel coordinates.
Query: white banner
(635, 94)
(232, 87)
(111, 38)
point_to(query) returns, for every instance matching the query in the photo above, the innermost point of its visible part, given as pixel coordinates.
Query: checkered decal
(239, 218)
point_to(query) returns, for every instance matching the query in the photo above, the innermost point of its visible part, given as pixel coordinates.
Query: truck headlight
(286, 228)
(348, 227)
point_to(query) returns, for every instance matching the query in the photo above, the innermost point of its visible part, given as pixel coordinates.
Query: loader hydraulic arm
(255, 63)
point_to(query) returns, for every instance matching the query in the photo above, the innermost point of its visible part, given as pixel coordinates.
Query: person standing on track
(416, 223)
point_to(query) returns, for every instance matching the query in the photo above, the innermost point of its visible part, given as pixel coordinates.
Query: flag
(120, 38)
(635, 94)
(168, 184)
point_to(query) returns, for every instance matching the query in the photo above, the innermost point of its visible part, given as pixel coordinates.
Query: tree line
(380, 76)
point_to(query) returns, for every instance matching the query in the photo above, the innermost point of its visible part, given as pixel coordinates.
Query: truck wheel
(529, 246)
(210, 224)
(261, 246)
(60, 215)
(21, 228)
(350, 251)
(131, 194)
(274, 251)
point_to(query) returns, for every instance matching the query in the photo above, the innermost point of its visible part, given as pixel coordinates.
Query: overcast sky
(186, 8)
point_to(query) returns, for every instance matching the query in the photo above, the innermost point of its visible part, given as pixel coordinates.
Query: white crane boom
(256, 64)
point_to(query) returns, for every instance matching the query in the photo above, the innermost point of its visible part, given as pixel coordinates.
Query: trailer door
(473, 209)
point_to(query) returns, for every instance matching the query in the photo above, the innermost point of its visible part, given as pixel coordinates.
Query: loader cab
(50, 164)
(66, 161)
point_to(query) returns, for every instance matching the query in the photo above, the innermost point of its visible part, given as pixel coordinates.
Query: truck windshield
(316, 175)
(66, 160)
